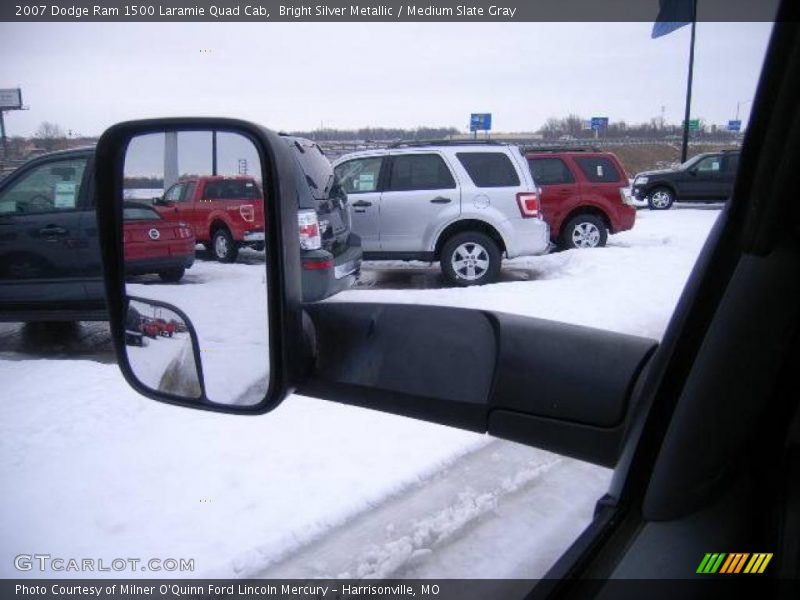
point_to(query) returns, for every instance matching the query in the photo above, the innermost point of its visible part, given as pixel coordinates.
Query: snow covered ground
(92, 470)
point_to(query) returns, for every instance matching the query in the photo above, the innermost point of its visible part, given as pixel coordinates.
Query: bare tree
(50, 136)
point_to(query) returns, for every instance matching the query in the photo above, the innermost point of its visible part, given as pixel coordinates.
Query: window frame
(384, 159)
(591, 178)
(386, 179)
(81, 199)
(508, 160)
(536, 181)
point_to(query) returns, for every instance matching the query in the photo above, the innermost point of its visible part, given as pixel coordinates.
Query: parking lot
(227, 489)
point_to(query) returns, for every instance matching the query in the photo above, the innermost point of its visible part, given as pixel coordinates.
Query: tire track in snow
(396, 537)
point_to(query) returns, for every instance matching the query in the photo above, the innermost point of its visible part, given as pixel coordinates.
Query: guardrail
(334, 149)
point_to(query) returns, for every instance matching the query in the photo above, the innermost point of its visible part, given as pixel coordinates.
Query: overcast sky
(290, 76)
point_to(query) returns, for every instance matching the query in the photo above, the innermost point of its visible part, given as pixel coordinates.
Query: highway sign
(599, 123)
(480, 122)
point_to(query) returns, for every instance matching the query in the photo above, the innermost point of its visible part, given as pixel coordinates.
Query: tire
(223, 247)
(172, 275)
(259, 246)
(660, 198)
(470, 258)
(584, 231)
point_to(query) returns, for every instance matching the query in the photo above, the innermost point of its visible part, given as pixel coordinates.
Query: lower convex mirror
(162, 349)
(193, 235)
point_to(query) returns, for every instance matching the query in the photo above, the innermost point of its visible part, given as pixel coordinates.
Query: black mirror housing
(288, 354)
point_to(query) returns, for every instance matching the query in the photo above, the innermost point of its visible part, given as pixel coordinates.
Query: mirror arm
(481, 371)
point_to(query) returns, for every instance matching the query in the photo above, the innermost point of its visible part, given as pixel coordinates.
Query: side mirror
(222, 336)
(159, 201)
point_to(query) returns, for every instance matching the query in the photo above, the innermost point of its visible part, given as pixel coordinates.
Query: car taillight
(310, 238)
(528, 204)
(183, 232)
(248, 212)
(314, 265)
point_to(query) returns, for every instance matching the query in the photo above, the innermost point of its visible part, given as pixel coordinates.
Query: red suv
(584, 195)
(224, 213)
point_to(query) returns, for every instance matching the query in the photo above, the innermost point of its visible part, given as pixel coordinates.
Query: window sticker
(65, 194)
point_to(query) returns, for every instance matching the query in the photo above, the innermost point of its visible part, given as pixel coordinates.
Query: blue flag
(672, 15)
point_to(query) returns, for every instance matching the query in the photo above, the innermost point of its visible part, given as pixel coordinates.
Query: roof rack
(415, 143)
(560, 149)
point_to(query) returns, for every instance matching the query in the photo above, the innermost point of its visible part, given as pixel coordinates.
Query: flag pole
(687, 115)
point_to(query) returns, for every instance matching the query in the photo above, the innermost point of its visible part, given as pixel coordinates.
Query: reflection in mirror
(160, 349)
(193, 237)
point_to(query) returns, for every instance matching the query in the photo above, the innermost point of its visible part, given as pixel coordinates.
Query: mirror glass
(161, 350)
(194, 237)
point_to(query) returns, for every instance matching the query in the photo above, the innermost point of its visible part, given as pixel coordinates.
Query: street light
(740, 103)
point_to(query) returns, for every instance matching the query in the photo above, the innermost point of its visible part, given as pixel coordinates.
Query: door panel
(40, 234)
(560, 189)
(360, 179)
(705, 180)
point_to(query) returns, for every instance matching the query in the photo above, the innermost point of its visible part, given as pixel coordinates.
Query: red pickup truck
(225, 213)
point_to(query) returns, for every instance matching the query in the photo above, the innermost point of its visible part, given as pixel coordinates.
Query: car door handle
(440, 200)
(52, 231)
(361, 204)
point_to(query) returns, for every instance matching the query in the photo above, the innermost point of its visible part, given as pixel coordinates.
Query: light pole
(740, 103)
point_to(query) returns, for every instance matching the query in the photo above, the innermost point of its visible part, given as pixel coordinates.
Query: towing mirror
(201, 314)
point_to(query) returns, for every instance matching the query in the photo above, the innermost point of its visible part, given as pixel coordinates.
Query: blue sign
(734, 125)
(599, 123)
(480, 121)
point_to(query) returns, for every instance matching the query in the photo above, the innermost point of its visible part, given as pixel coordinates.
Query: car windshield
(691, 162)
(489, 165)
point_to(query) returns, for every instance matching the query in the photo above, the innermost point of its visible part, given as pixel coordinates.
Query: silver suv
(462, 204)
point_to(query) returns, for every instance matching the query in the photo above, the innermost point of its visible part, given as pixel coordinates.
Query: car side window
(419, 172)
(360, 175)
(188, 191)
(174, 193)
(598, 169)
(51, 187)
(550, 171)
(710, 164)
(489, 169)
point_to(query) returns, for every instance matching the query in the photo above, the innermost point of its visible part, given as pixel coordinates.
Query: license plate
(344, 270)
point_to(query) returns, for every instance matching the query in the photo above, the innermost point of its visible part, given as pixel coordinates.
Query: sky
(300, 76)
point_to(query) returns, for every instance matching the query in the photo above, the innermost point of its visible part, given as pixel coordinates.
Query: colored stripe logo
(735, 562)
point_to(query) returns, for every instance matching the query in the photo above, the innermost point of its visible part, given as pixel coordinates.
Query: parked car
(330, 251)
(133, 328)
(224, 213)
(50, 267)
(584, 195)
(462, 204)
(706, 177)
(155, 245)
